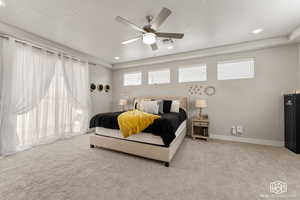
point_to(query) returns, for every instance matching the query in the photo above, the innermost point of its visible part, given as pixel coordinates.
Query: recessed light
(2, 4)
(257, 31)
(117, 58)
(170, 47)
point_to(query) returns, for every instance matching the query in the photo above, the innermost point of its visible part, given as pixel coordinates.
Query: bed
(155, 142)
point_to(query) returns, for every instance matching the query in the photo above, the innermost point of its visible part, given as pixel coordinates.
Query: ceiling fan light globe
(149, 38)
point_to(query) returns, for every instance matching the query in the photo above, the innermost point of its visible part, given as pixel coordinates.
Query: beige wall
(256, 104)
(101, 101)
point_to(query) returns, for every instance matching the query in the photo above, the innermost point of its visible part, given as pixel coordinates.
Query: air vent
(167, 41)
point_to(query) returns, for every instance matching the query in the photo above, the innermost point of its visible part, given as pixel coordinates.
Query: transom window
(242, 69)
(159, 76)
(192, 74)
(132, 78)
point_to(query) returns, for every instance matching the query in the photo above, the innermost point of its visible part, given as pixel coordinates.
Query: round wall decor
(195, 90)
(210, 90)
(92, 87)
(107, 88)
(100, 87)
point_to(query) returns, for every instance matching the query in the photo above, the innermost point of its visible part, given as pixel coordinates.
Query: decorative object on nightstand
(200, 103)
(123, 103)
(200, 128)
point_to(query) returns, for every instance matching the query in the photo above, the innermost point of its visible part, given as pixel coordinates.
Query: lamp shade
(201, 103)
(123, 102)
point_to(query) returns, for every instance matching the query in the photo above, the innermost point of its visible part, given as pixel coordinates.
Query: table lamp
(200, 103)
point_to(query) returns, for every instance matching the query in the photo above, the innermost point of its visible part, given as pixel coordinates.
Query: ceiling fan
(149, 32)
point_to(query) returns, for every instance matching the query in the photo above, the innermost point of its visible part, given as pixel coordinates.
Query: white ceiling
(90, 26)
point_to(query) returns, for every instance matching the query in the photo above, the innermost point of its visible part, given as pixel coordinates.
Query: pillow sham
(149, 106)
(175, 106)
(167, 106)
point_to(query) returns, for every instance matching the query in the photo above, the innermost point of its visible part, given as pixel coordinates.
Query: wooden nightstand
(200, 128)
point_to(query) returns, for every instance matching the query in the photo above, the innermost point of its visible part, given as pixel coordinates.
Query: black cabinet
(292, 122)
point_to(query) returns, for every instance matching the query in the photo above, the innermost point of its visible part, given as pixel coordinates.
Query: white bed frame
(150, 151)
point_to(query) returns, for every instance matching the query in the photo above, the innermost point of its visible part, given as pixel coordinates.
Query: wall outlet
(233, 130)
(240, 129)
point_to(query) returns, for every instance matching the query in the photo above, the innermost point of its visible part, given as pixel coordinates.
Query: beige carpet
(212, 170)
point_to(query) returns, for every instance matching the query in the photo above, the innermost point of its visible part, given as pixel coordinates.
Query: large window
(192, 74)
(49, 97)
(159, 76)
(242, 69)
(132, 78)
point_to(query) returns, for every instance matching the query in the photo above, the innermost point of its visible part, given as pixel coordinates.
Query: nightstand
(200, 128)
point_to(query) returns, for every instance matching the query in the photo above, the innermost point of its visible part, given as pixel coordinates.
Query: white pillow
(149, 107)
(175, 106)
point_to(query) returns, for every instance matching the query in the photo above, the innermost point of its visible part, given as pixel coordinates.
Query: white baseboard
(249, 140)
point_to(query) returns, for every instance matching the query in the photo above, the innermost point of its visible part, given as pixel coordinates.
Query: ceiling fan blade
(128, 23)
(154, 47)
(160, 18)
(170, 35)
(131, 40)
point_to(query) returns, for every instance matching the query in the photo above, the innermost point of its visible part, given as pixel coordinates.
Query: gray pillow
(160, 103)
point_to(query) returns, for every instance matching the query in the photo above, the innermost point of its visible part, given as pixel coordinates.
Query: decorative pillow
(167, 106)
(175, 106)
(149, 106)
(137, 102)
(160, 103)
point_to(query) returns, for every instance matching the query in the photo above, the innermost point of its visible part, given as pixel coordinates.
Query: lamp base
(200, 113)
(201, 116)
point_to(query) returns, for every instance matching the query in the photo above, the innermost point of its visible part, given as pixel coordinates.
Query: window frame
(193, 66)
(134, 72)
(233, 62)
(158, 70)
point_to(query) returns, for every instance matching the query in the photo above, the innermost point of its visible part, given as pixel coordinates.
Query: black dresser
(292, 122)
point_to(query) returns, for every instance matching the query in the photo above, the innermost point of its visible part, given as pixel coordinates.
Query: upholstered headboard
(183, 100)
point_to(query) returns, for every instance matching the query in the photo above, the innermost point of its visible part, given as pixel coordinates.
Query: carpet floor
(213, 170)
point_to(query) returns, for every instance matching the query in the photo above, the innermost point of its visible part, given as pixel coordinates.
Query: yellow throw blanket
(135, 121)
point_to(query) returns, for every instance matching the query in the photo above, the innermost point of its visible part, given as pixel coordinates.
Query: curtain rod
(46, 49)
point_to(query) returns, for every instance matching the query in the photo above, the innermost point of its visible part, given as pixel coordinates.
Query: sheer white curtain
(76, 76)
(27, 73)
(7, 136)
(38, 99)
(57, 116)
